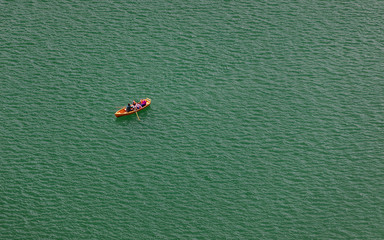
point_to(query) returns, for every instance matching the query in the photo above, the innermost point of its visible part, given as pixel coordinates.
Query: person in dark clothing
(129, 108)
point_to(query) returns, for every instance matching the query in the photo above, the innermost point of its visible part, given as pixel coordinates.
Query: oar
(137, 116)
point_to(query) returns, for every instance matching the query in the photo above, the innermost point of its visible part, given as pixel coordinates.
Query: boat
(122, 111)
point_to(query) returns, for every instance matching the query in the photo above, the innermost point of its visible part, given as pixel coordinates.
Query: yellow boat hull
(122, 111)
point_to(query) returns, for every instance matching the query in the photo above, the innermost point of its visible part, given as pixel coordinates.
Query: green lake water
(266, 122)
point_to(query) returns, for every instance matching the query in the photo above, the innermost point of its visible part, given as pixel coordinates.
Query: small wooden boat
(122, 111)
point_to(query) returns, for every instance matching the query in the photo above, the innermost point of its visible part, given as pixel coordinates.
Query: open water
(267, 119)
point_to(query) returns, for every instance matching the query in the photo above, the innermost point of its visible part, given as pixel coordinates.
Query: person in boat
(134, 105)
(143, 102)
(129, 108)
(137, 106)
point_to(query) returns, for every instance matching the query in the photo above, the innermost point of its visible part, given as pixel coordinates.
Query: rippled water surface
(266, 120)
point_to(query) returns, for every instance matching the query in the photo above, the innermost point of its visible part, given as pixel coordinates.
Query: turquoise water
(266, 120)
